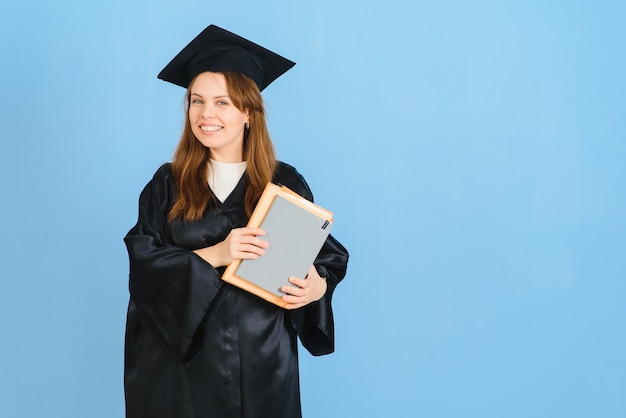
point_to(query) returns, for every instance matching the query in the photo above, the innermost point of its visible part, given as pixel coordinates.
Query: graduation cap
(217, 50)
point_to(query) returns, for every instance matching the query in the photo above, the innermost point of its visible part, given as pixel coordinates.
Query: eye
(222, 103)
(196, 101)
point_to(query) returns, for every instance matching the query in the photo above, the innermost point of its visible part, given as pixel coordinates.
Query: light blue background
(473, 152)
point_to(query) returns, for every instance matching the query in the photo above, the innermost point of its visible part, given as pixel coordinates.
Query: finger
(248, 251)
(253, 248)
(295, 300)
(299, 282)
(292, 306)
(244, 233)
(238, 243)
(293, 291)
(249, 239)
(261, 243)
(252, 231)
(245, 256)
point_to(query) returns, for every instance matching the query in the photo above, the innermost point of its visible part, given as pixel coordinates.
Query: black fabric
(198, 347)
(218, 50)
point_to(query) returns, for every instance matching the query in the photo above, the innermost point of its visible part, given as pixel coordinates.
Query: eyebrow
(214, 97)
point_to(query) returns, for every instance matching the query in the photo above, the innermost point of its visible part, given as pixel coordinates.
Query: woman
(195, 345)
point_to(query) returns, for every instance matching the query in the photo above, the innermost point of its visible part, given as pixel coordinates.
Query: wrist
(211, 255)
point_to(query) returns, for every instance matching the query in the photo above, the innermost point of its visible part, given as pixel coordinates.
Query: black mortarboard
(217, 50)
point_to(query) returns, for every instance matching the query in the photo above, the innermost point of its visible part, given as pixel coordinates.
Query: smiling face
(215, 121)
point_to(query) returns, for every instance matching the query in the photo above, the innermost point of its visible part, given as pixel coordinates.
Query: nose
(208, 111)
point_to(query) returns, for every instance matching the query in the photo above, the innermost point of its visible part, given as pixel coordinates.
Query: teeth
(210, 128)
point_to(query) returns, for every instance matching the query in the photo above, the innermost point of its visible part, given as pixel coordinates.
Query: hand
(241, 243)
(305, 291)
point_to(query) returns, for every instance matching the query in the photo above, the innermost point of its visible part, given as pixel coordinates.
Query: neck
(226, 157)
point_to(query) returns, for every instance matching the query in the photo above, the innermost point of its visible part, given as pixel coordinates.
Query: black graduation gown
(197, 346)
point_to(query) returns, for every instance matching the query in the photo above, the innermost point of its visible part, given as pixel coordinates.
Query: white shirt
(223, 177)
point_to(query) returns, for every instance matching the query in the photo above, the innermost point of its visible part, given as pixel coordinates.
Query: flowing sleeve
(314, 322)
(171, 287)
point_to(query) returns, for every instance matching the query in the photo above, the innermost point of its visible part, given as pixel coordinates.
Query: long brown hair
(191, 159)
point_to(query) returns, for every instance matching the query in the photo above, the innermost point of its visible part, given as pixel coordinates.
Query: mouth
(212, 128)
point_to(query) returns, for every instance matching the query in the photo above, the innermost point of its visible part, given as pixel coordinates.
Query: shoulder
(163, 177)
(286, 171)
(287, 175)
(162, 185)
(163, 173)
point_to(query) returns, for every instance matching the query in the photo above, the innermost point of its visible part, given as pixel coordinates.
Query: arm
(310, 289)
(312, 318)
(241, 243)
(315, 322)
(171, 288)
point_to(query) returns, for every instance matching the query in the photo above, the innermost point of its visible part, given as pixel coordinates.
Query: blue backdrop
(473, 152)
